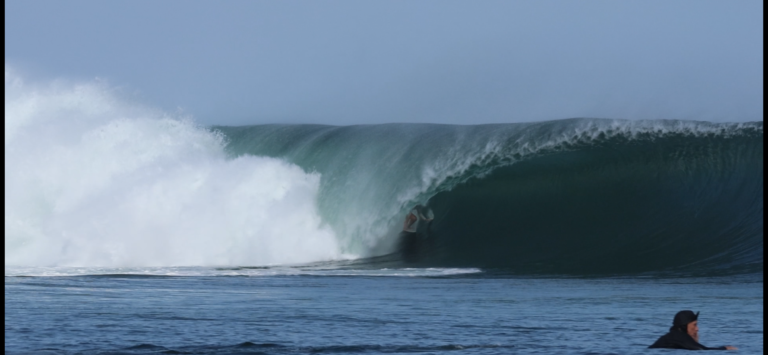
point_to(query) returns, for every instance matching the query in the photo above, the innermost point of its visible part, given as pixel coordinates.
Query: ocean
(303, 310)
(131, 232)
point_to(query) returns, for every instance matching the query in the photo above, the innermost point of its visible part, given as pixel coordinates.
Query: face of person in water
(693, 330)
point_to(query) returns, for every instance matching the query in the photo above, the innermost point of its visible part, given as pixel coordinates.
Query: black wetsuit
(678, 339)
(415, 246)
(414, 240)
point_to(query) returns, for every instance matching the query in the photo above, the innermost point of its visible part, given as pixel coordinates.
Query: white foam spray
(92, 180)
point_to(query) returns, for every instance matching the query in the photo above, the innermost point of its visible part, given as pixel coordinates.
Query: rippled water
(275, 311)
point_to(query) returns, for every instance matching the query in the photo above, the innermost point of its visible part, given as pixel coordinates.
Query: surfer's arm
(409, 220)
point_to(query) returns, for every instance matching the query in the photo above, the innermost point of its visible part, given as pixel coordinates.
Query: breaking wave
(92, 180)
(565, 196)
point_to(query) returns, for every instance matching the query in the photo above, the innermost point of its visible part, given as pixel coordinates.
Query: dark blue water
(394, 311)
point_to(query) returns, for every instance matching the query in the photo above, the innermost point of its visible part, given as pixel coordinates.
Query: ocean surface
(128, 231)
(307, 310)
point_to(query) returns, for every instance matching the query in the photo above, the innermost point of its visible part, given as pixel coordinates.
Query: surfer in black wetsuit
(412, 238)
(684, 334)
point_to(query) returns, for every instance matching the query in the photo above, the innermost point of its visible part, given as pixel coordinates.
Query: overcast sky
(353, 62)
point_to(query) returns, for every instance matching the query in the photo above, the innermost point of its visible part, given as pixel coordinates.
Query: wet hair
(682, 319)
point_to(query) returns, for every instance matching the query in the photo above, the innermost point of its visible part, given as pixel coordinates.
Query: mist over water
(93, 180)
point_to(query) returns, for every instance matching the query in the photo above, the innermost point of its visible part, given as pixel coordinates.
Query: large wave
(567, 196)
(94, 180)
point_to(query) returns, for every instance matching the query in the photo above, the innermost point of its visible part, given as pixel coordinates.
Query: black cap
(682, 318)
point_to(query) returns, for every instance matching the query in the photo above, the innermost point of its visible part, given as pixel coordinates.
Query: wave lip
(335, 269)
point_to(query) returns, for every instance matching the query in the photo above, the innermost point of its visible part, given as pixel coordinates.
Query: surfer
(418, 213)
(684, 334)
(412, 238)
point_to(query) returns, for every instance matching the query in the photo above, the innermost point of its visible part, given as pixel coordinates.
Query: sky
(423, 61)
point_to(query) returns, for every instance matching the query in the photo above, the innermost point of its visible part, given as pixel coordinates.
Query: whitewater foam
(198, 271)
(94, 180)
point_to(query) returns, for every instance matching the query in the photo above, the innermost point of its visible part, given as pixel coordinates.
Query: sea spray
(94, 180)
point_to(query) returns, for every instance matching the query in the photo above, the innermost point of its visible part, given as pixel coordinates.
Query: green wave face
(578, 196)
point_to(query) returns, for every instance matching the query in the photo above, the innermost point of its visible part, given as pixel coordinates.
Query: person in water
(413, 240)
(418, 213)
(684, 334)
